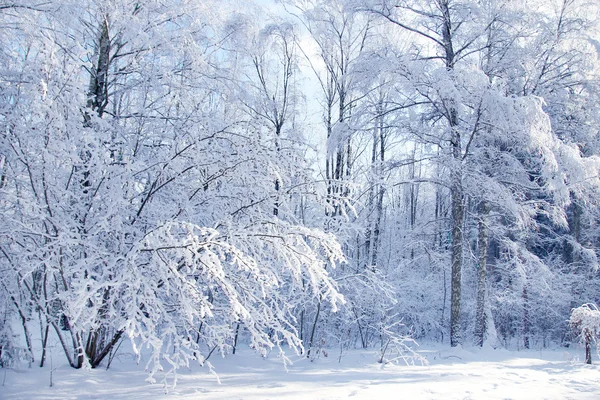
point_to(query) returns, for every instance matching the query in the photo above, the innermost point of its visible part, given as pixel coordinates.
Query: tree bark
(525, 317)
(98, 91)
(588, 348)
(480, 318)
(314, 328)
(456, 274)
(456, 187)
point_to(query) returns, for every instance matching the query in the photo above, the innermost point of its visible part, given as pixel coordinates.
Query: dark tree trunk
(456, 187)
(98, 91)
(314, 329)
(44, 345)
(458, 212)
(235, 339)
(480, 318)
(456, 274)
(526, 327)
(588, 348)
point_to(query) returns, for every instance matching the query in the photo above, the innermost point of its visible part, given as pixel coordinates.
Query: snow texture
(450, 374)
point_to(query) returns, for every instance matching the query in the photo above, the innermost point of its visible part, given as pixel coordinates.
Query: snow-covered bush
(585, 321)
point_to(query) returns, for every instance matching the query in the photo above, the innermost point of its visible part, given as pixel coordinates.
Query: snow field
(451, 374)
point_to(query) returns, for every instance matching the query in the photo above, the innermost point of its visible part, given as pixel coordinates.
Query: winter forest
(196, 176)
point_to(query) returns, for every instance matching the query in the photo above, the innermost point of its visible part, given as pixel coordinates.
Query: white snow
(451, 374)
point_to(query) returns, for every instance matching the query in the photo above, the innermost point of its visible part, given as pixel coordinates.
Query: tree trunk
(314, 329)
(588, 347)
(235, 339)
(98, 90)
(106, 350)
(455, 291)
(525, 317)
(377, 190)
(380, 195)
(456, 187)
(458, 212)
(480, 318)
(44, 345)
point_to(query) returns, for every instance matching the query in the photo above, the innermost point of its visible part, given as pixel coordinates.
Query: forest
(193, 176)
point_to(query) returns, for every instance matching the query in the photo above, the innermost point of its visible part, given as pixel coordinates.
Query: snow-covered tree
(585, 320)
(138, 194)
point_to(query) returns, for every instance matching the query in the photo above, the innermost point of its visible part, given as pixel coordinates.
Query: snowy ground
(451, 374)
